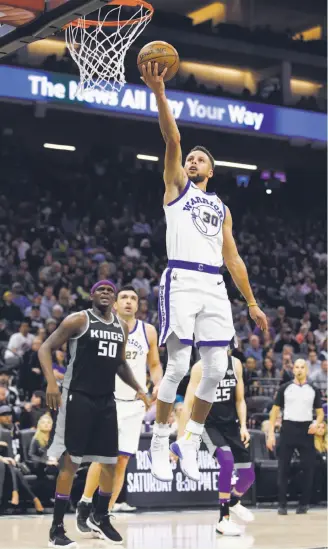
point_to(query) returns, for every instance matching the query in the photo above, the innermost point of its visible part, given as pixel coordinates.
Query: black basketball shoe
(301, 510)
(83, 511)
(282, 510)
(58, 538)
(103, 526)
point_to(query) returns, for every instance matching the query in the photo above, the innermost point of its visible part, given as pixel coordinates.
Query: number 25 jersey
(224, 406)
(194, 227)
(95, 356)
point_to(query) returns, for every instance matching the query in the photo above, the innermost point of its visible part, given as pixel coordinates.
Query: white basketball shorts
(129, 420)
(194, 303)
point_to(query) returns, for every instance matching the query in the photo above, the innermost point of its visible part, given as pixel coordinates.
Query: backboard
(25, 21)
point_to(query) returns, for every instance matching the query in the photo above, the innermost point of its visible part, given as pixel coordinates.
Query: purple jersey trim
(145, 334)
(125, 453)
(167, 302)
(185, 190)
(212, 343)
(192, 266)
(186, 341)
(135, 327)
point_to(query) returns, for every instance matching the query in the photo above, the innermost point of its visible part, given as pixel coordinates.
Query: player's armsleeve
(280, 397)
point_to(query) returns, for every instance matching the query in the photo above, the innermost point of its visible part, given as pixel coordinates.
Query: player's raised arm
(241, 407)
(153, 361)
(195, 377)
(71, 326)
(238, 271)
(175, 178)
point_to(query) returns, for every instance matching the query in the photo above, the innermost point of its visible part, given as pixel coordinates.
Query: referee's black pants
(294, 435)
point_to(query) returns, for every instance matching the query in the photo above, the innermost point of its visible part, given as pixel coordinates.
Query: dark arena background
(81, 193)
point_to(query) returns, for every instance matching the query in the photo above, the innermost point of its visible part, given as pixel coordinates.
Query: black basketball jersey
(94, 356)
(224, 405)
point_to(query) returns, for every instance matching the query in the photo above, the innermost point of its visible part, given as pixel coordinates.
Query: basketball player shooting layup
(227, 439)
(141, 350)
(193, 299)
(86, 427)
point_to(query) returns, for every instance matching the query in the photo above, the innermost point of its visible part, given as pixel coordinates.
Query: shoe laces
(160, 443)
(61, 530)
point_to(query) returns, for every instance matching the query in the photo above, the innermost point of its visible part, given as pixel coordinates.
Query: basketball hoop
(99, 47)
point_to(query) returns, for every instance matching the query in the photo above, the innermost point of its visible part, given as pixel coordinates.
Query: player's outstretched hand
(153, 80)
(259, 318)
(142, 396)
(245, 436)
(53, 396)
(271, 442)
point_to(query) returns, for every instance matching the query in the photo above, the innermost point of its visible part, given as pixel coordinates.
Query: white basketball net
(99, 51)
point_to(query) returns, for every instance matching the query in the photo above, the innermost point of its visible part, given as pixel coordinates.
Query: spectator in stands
(141, 227)
(38, 447)
(19, 343)
(268, 369)
(250, 374)
(280, 320)
(320, 439)
(254, 349)
(37, 301)
(130, 250)
(242, 327)
(140, 282)
(323, 351)
(36, 321)
(19, 298)
(313, 363)
(321, 333)
(48, 300)
(4, 332)
(319, 378)
(308, 344)
(18, 482)
(33, 410)
(9, 311)
(58, 367)
(287, 368)
(30, 376)
(286, 338)
(66, 300)
(11, 391)
(57, 313)
(51, 326)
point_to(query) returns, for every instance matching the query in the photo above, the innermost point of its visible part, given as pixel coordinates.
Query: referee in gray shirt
(298, 398)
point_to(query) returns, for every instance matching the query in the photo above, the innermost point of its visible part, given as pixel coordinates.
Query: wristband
(252, 304)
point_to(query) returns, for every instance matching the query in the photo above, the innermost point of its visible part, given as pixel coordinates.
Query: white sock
(161, 429)
(86, 500)
(194, 428)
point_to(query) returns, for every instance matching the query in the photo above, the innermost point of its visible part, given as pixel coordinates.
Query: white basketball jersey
(194, 227)
(136, 352)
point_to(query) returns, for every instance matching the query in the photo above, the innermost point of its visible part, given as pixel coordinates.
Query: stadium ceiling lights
(235, 165)
(147, 157)
(59, 147)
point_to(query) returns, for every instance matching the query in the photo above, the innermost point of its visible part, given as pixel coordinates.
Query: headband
(103, 283)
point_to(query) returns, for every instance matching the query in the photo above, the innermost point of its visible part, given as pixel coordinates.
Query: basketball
(162, 53)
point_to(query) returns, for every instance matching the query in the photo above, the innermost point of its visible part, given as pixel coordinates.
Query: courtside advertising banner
(137, 100)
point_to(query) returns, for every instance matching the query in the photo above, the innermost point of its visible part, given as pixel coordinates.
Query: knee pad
(246, 477)
(177, 367)
(214, 366)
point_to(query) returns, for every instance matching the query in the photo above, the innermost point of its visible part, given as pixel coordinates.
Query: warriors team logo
(206, 219)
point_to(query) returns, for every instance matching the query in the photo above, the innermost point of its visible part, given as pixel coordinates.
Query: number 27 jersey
(194, 227)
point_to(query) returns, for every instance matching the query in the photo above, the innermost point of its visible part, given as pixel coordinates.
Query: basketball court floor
(179, 530)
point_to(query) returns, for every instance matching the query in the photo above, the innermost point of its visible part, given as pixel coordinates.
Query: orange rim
(85, 23)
